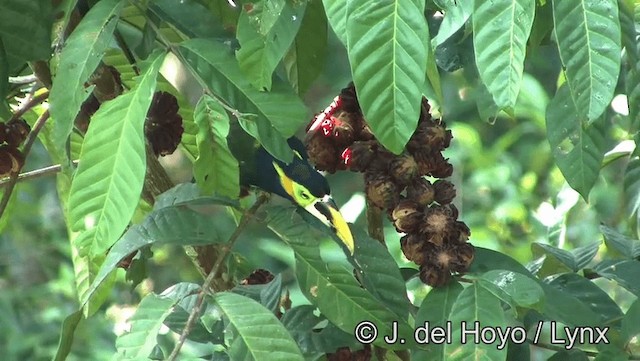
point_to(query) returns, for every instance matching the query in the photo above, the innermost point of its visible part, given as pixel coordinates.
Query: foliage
(543, 101)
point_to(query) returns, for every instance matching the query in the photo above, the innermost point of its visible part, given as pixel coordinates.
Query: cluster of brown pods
(340, 139)
(12, 134)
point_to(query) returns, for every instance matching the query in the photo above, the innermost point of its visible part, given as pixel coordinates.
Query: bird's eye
(304, 196)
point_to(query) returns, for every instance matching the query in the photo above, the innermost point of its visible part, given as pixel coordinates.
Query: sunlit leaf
(78, 60)
(588, 38)
(500, 32)
(261, 46)
(388, 56)
(107, 185)
(625, 247)
(625, 272)
(456, 14)
(215, 169)
(145, 324)
(257, 333)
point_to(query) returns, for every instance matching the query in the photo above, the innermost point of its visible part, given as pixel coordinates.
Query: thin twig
(30, 104)
(23, 79)
(36, 173)
(13, 179)
(197, 308)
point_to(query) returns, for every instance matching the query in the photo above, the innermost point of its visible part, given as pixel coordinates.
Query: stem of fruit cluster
(36, 173)
(374, 222)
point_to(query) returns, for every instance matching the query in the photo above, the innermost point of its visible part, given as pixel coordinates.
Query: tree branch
(206, 286)
(13, 178)
(37, 173)
(30, 104)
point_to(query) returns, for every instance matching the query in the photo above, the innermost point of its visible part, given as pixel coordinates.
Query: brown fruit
(464, 255)
(343, 132)
(444, 190)
(381, 190)
(421, 191)
(412, 247)
(11, 160)
(163, 126)
(434, 276)
(349, 99)
(436, 221)
(258, 277)
(360, 155)
(403, 169)
(462, 231)
(407, 216)
(322, 152)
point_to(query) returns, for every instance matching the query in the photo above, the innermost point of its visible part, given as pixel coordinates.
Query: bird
(297, 181)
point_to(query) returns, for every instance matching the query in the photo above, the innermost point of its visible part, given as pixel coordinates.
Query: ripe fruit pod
(163, 126)
(407, 216)
(434, 276)
(444, 191)
(421, 191)
(382, 191)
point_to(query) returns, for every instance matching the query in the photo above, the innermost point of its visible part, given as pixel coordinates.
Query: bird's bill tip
(327, 211)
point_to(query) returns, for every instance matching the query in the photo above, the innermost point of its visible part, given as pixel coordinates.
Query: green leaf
(631, 183)
(330, 287)
(615, 241)
(106, 187)
(25, 30)
(306, 57)
(69, 326)
(145, 325)
(500, 32)
(250, 322)
(279, 113)
(578, 148)
(588, 38)
(475, 303)
(566, 308)
(380, 274)
(336, 11)
(263, 42)
(436, 310)
(79, 58)
(215, 169)
(5, 113)
(388, 56)
(190, 17)
(560, 260)
(179, 225)
(625, 272)
(456, 14)
(520, 290)
(188, 194)
(590, 294)
(632, 50)
(267, 294)
(631, 322)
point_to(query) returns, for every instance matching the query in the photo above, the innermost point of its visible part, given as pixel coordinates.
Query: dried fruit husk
(421, 191)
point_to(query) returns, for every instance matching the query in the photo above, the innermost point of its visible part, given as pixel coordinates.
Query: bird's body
(297, 181)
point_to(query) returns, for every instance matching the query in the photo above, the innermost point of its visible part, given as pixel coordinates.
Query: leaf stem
(197, 308)
(31, 138)
(30, 104)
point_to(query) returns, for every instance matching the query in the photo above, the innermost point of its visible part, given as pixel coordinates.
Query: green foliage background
(545, 168)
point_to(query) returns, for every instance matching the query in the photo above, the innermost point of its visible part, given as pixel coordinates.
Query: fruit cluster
(12, 134)
(163, 126)
(340, 139)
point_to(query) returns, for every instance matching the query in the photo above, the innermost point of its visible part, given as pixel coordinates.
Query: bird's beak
(326, 211)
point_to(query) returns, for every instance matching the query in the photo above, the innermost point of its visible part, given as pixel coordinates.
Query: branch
(30, 104)
(195, 312)
(13, 178)
(37, 173)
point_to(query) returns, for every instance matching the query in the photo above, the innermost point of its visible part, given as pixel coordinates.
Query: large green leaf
(215, 169)
(456, 14)
(79, 58)
(589, 293)
(25, 30)
(138, 343)
(475, 303)
(625, 272)
(179, 225)
(559, 260)
(66, 335)
(578, 148)
(515, 289)
(336, 11)
(500, 32)
(257, 334)
(263, 42)
(107, 185)
(631, 322)
(279, 112)
(330, 287)
(624, 246)
(632, 50)
(436, 310)
(380, 274)
(306, 57)
(387, 51)
(588, 38)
